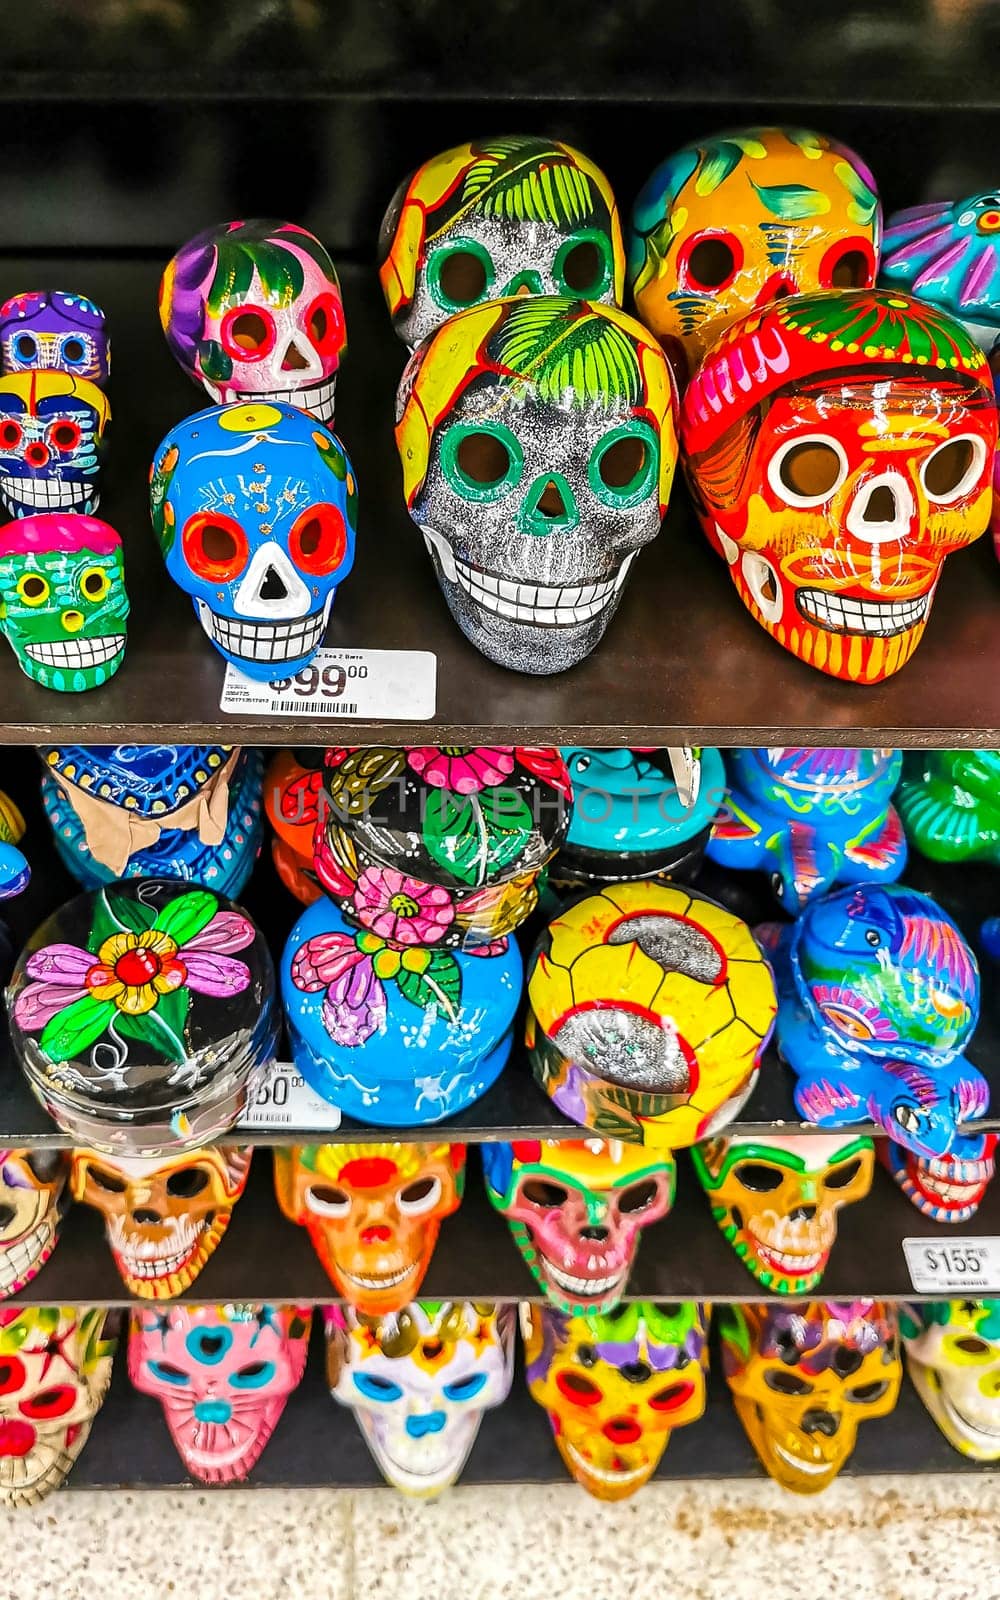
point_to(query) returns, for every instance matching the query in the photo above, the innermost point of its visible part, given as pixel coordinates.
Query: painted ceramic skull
(839, 446)
(538, 445)
(498, 217)
(948, 253)
(804, 1378)
(52, 428)
(255, 510)
(616, 1386)
(576, 1209)
(419, 1381)
(253, 311)
(776, 1199)
(728, 224)
(953, 1358)
(945, 1188)
(223, 1375)
(55, 1367)
(163, 1218)
(372, 1212)
(32, 1203)
(63, 602)
(53, 328)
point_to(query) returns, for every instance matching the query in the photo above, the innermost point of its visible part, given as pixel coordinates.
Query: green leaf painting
(793, 202)
(439, 985)
(720, 157)
(149, 1028)
(566, 351)
(78, 1027)
(473, 834)
(259, 247)
(528, 180)
(131, 915)
(864, 201)
(187, 915)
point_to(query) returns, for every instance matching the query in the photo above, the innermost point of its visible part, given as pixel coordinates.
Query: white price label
(399, 685)
(970, 1265)
(285, 1100)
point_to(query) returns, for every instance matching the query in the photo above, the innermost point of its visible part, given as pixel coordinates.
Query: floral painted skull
(372, 1212)
(255, 508)
(616, 1386)
(576, 1208)
(731, 223)
(945, 1188)
(538, 446)
(55, 1367)
(32, 1203)
(223, 1375)
(163, 1218)
(63, 602)
(498, 217)
(52, 428)
(53, 329)
(949, 255)
(418, 1382)
(839, 446)
(953, 1358)
(776, 1199)
(253, 311)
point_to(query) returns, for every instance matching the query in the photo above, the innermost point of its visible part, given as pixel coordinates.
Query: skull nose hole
(782, 292)
(550, 502)
(881, 505)
(294, 360)
(273, 586)
(146, 1216)
(596, 1234)
(823, 1422)
(621, 1430)
(802, 1214)
(36, 455)
(7, 1215)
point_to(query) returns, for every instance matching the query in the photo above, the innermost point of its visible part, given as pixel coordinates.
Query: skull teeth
(954, 1171)
(388, 1280)
(603, 1474)
(46, 492)
(543, 605)
(18, 1261)
(797, 1462)
(785, 1261)
(881, 618)
(264, 641)
(315, 397)
(592, 1288)
(77, 652)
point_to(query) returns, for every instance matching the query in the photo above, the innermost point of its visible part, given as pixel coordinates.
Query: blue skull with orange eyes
(52, 428)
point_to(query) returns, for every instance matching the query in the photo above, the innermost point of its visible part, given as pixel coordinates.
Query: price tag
(969, 1265)
(399, 685)
(285, 1100)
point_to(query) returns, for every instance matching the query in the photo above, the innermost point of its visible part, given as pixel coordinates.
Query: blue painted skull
(52, 430)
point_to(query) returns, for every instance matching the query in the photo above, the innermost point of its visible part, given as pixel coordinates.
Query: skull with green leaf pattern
(63, 604)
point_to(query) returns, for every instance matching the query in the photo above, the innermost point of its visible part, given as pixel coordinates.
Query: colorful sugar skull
(945, 1188)
(810, 818)
(52, 328)
(52, 430)
(291, 800)
(538, 445)
(259, 544)
(372, 1211)
(728, 224)
(839, 447)
(949, 801)
(55, 1367)
(32, 1203)
(498, 217)
(616, 1386)
(650, 1007)
(953, 1358)
(63, 602)
(804, 1378)
(163, 1219)
(576, 1208)
(223, 1375)
(947, 254)
(776, 1199)
(878, 995)
(253, 311)
(419, 1381)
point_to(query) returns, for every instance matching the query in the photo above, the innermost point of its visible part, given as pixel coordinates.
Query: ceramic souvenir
(291, 801)
(253, 311)
(810, 819)
(576, 1209)
(776, 1198)
(223, 1375)
(55, 1367)
(142, 1016)
(538, 443)
(397, 1034)
(418, 1382)
(945, 1188)
(497, 217)
(63, 604)
(730, 223)
(949, 801)
(839, 446)
(155, 811)
(615, 1386)
(53, 328)
(52, 429)
(33, 1201)
(372, 1212)
(440, 845)
(878, 995)
(948, 253)
(163, 1218)
(15, 873)
(804, 1377)
(953, 1358)
(649, 1009)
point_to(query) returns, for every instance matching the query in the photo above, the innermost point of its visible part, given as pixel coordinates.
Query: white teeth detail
(787, 1262)
(540, 604)
(317, 397)
(954, 1171)
(264, 641)
(880, 618)
(47, 492)
(591, 1287)
(987, 1433)
(604, 1474)
(77, 652)
(389, 1281)
(17, 1260)
(799, 1464)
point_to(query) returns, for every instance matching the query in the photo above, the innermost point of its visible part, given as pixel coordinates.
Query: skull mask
(32, 1202)
(372, 1212)
(576, 1208)
(255, 508)
(538, 448)
(839, 447)
(945, 1188)
(63, 602)
(615, 1387)
(947, 254)
(953, 1357)
(163, 1218)
(53, 329)
(499, 217)
(252, 310)
(51, 441)
(55, 1367)
(223, 1375)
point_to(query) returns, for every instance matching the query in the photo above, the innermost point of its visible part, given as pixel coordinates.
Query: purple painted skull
(52, 430)
(54, 329)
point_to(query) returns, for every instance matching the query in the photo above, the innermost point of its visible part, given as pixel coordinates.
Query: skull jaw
(166, 1284)
(948, 1196)
(226, 1463)
(22, 1259)
(965, 1435)
(23, 496)
(279, 649)
(75, 664)
(368, 1300)
(420, 1467)
(791, 1460)
(24, 1480)
(624, 1472)
(579, 1291)
(776, 1271)
(316, 398)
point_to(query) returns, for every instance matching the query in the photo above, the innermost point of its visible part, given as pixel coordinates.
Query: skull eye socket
(247, 333)
(105, 1179)
(375, 1388)
(54, 1402)
(214, 547)
(64, 435)
(582, 268)
(466, 1388)
(848, 264)
(710, 261)
(327, 1201)
(638, 1197)
(45, 1166)
(33, 589)
(623, 466)
(73, 349)
(460, 276)
(844, 1175)
(25, 347)
(674, 1395)
(10, 434)
(578, 1389)
(787, 1383)
(971, 1346)
(318, 540)
(256, 1375)
(95, 584)
(187, 1182)
(953, 469)
(325, 324)
(167, 1373)
(805, 472)
(758, 1176)
(481, 463)
(538, 1192)
(420, 1196)
(12, 1374)
(866, 1393)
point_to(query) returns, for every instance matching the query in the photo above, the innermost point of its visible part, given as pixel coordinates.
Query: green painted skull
(63, 605)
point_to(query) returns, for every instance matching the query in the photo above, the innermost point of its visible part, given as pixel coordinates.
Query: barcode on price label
(392, 685)
(969, 1265)
(285, 1100)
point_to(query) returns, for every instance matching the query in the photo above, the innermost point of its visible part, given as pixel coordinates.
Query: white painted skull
(32, 1201)
(953, 1356)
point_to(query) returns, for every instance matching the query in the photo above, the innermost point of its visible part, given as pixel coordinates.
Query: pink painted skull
(32, 1202)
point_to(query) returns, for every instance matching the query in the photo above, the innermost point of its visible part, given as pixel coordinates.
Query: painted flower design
(356, 775)
(401, 909)
(465, 769)
(353, 969)
(546, 762)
